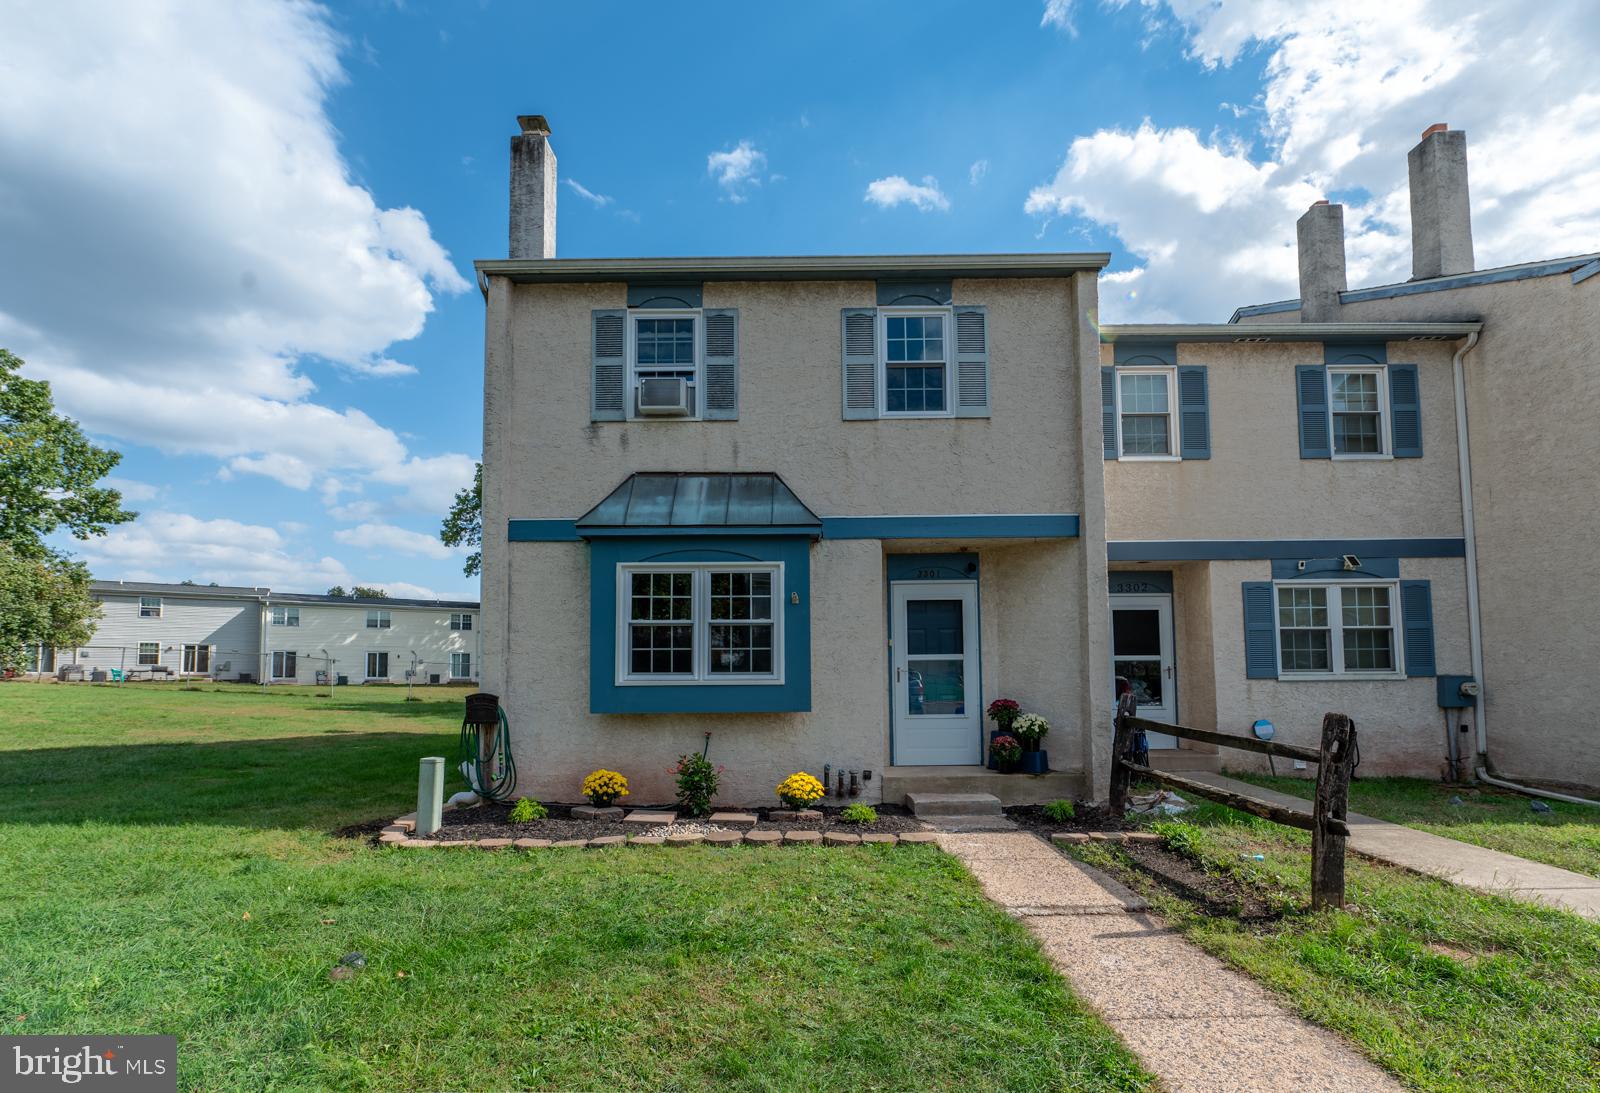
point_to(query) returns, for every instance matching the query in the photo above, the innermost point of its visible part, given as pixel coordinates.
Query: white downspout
(1474, 618)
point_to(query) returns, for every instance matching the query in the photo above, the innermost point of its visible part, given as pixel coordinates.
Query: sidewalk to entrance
(1448, 859)
(1194, 1022)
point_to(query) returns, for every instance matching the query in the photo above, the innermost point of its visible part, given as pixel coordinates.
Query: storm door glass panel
(741, 623)
(914, 364)
(935, 657)
(1303, 630)
(1357, 419)
(661, 624)
(1136, 649)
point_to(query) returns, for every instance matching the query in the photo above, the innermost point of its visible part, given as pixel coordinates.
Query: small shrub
(603, 787)
(800, 789)
(697, 783)
(1059, 812)
(1181, 838)
(859, 814)
(527, 810)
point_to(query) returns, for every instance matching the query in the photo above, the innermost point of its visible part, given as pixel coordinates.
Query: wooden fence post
(1333, 799)
(1121, 747)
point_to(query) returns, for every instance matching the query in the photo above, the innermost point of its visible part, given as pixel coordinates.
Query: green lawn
(1567, 836)
(167, 869)
(1447, 988)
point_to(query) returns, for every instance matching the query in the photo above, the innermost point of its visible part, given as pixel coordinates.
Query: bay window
(704, 623)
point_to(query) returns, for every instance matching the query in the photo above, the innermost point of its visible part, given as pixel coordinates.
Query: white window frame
(701, 622)
(460, 675)
(696, 382)
(156, 654)
(147, 612)
(1336, 631)
(285, 616)
(461, 621)
(379, 618)
(366, 664)
(189, 658)
(1174, 451)
(948, 314)
(1385, 437)
(280, 661)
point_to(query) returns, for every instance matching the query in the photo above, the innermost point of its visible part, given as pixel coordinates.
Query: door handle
(899, 674)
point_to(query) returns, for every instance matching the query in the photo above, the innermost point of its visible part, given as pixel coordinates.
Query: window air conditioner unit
(664, 397)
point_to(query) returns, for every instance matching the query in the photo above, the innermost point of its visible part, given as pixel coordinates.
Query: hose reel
(485, 749)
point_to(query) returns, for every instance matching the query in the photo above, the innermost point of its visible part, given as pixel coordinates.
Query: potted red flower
(1002, 711)
(1004, 751)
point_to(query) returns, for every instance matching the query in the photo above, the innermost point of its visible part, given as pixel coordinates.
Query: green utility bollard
(430, 794)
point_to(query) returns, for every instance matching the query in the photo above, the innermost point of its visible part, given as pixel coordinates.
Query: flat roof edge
(1285, 332)
(794, 268)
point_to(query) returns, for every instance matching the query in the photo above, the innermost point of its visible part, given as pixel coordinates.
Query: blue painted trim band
(1028, 526)
(1332, 569)
(1251, 550)
(1586, 272)
(542, 531)
(1461, 280)
(701, 532)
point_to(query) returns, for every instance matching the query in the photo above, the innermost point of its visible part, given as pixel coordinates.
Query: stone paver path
(1449, 859)
(1194, 1022)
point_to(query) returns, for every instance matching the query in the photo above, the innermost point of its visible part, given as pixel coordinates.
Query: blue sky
(243, 233)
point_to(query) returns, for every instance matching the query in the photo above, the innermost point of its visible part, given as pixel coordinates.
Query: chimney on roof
(533, 190)
(1441, 215)
(1320, 235)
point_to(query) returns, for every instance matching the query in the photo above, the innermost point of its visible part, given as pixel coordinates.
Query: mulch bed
(489, 821)
(1088, 818)
(1211, 894)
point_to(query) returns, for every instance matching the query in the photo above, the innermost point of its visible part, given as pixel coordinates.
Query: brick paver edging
(400, 832)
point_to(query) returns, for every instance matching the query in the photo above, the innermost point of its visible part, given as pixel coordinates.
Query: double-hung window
(149, 607)
(665, 354)
(1145, 413)
(377, 620)
(460, 621)
(1337, 630)
(916, 363)
(1356, 398)
(286, 616)
(711, 623)
(149, 652)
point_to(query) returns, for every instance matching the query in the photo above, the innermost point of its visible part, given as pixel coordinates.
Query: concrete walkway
(1449, 859)
(1194, 1022)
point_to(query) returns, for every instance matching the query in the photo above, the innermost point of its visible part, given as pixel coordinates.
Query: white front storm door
(1141, 650)
(934, 673)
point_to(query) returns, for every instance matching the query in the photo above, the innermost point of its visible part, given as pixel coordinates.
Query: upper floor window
(916, 363)
(666, 363)
(1337, 630)
(377, 620)
(460, 621)
(1356, 400)
(700, 623)
(149, 607)
(1145, 413)
(286, 616)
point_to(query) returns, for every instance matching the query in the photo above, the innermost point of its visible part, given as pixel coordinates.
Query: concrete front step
(953, 804)
(1011, 789)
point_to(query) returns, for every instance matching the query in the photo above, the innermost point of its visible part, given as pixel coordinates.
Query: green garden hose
(491, 771)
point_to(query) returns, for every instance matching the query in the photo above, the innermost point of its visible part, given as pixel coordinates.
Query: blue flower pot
(1035, 762)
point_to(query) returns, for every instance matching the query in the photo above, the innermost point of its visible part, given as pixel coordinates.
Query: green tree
(464, 525)
(48, 476)
(362, 592)
(337, 590)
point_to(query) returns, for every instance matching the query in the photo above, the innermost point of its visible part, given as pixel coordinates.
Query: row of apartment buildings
(828, 508)
(258, 635)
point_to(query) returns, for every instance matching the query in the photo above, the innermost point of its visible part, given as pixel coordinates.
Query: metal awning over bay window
(671, 503)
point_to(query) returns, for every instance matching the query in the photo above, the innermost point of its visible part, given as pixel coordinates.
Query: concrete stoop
(1010, 789)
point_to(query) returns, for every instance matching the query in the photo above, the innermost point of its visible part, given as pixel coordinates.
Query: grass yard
(1449, 989)
(1567, 836)
(168, 869)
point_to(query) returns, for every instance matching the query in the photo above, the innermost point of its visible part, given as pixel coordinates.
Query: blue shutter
(1108, 409)
(721, 372)
(1260, 631)
(972, 362)
(608, 377)
(1405, 411)
(1416, 615)
(1311, 389)
(859, 334)
(1194, 413)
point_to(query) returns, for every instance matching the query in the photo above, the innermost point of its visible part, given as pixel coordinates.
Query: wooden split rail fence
(1326, 821)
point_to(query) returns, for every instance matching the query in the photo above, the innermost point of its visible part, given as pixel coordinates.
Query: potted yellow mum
(799, 790)
(603, 787)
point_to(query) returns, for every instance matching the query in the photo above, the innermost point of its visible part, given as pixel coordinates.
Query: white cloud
(1348, 89)
(407, 591)
(599, 201)
(737, 170)
(1058, 14)
(886, 193)
(228, 237)
(132, 489)
(976, 172)
(387, 537)
(171, 546)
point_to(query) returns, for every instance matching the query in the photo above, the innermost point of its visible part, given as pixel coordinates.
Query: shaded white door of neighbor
(934, 673)
(1141, 651)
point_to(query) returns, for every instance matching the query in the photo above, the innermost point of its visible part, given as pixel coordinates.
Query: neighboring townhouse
(255, 634)
(824, 509)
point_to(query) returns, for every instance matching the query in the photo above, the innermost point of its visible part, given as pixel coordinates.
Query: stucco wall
(1533, 386)
(1400, 725)
(1256, 486)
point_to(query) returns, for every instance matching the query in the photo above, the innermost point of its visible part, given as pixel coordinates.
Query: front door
(1141, 649)
(934, 673)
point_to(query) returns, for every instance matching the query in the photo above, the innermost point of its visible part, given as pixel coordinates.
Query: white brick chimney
(533, 190)
(1320, 235)
(1441, 215)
